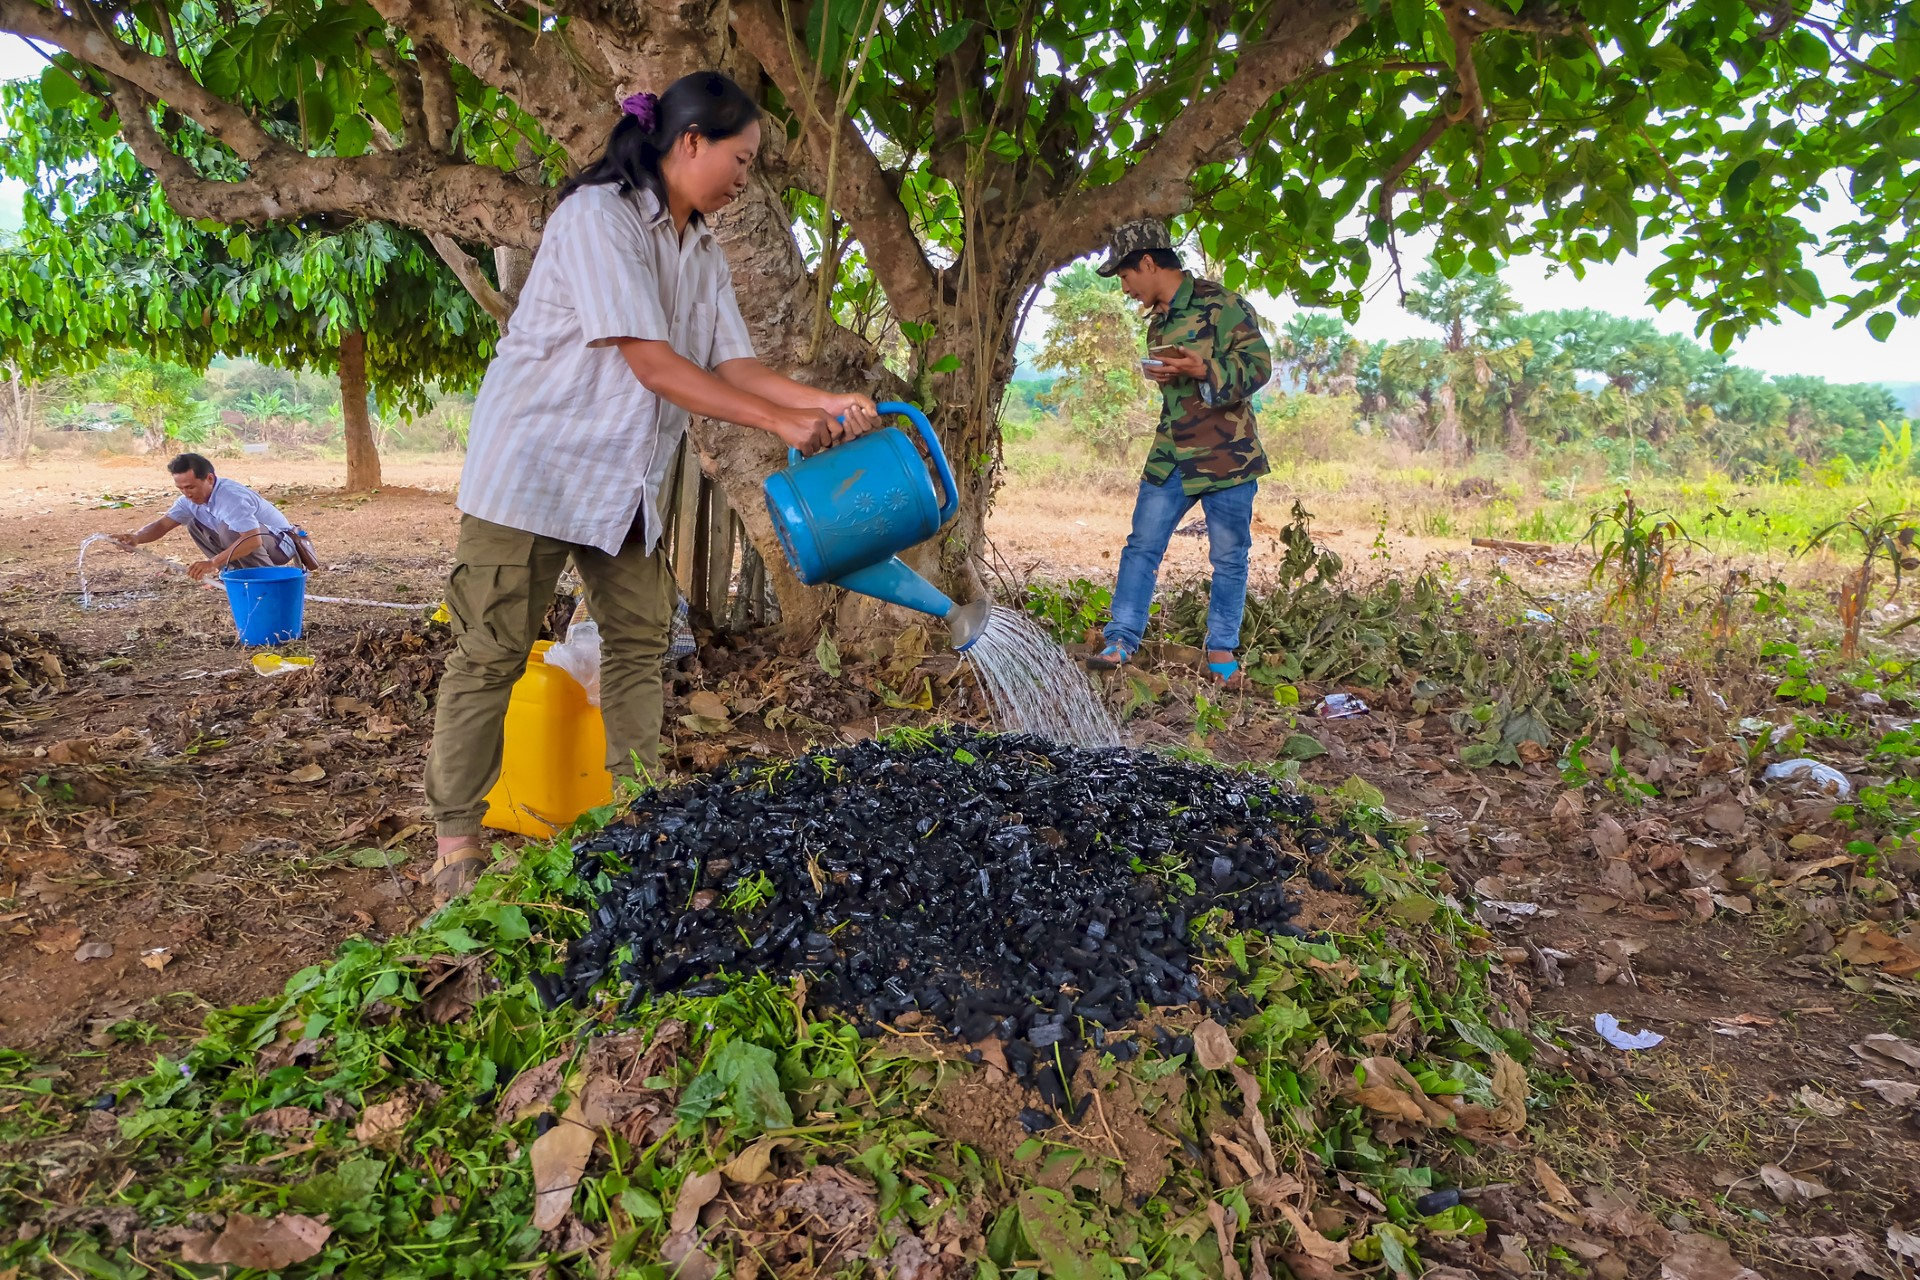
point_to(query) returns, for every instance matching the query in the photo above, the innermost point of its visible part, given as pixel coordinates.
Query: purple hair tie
(643, 107)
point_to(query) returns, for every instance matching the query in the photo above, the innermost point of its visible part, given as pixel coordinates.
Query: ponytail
(705, 103)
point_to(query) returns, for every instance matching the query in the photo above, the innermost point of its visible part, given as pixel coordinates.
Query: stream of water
(1032, 686)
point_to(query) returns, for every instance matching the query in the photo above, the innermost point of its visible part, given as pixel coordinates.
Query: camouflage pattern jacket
(1207, 435)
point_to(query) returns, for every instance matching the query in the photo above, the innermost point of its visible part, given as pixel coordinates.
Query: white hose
(86, 596)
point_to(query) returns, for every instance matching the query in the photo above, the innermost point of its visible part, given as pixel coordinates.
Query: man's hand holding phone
(1164, 364)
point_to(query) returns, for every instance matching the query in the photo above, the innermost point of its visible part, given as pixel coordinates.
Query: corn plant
(1887, 537)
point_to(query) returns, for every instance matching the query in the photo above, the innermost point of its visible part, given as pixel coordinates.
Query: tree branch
(954, 114)
(862, 193)
(411, 189)
(1206, 132)
(439, 104)
(1537, 17)
(552, 80)
(161, 78)
(467, 268)
(408, 89)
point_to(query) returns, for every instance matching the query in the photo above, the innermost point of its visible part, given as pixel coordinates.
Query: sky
(1793, 345)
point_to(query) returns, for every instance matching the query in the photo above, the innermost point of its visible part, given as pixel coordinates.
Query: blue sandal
(1111, 658)
(1226, 673)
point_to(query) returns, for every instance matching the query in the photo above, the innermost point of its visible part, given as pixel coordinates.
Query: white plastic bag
(1810, 775)
(579, 656)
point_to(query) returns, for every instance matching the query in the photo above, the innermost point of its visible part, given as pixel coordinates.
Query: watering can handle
(912, 414)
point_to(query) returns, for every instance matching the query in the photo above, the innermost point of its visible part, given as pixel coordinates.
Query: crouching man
(234, 527)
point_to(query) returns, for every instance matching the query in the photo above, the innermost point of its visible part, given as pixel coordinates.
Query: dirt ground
(203, 832)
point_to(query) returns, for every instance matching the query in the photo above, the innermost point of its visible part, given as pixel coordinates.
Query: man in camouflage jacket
(1207, 355)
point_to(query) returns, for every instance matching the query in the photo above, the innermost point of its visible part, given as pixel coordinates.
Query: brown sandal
(453, 873)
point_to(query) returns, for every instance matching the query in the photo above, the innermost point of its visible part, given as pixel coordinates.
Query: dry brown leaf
(1212, 1048)
(384, 1120)
(682, 1253)
(695, 1192)
(1840, 1257)
(1702, 899)
(1867, 944)
(704, 702)
(450, 986)
(1245, 1158)
(1226, 1225)
(259, 1244)
(560, 1158)
(1270, 1191)
(1789, 1188)
(1332, 1253)
(1903, 1244)
(1746, 1020)
(1609, 838)
(1390, 1090)
(1893, 1048)
(308, 772)
(750, 1167)
(1819, 1103)
(283, 1121)
(59, 940)
(1725, 816)
(1795, 872)
(993, 1056)
(1615, 1213)
(157, 959)
(532, 1090)
(1617, 878)
(1256, 1119)
(1898, 1093)
(1258, 1252)
(1551, 1183)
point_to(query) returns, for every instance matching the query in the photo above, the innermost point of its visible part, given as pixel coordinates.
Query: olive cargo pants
(502, 582)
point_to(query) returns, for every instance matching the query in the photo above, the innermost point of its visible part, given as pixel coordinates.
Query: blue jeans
(1156, 513)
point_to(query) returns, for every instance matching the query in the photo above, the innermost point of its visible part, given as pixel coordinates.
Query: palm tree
(1469, 298)
(1316, 349)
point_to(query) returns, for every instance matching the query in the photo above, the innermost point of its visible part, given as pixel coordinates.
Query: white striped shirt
(564, 440)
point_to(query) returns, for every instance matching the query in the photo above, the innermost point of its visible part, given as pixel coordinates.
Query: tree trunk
(1447, 436)
(363, 455)
(1516, 434)
(19, 439)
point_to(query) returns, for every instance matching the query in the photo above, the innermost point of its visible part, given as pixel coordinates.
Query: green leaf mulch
(390, 1114)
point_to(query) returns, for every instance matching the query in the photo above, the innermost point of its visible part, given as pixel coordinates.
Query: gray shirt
(564, 440)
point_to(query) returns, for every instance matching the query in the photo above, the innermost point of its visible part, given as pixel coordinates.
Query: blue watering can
(843, 514)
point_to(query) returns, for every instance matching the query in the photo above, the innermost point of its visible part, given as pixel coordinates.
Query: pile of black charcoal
(998, 886)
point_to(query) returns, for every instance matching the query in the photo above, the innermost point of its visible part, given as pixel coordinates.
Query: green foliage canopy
(102, 261)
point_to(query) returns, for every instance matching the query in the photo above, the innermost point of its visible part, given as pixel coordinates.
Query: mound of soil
(997, 886)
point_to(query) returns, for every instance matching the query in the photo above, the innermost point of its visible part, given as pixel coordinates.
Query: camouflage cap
(1130, 238)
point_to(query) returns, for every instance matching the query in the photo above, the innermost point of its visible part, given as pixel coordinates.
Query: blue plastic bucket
(269, 605)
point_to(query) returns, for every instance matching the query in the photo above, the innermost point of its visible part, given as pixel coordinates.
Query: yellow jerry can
(555, 764)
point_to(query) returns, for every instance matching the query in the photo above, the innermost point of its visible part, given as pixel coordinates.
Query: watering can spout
(967, 622)
(892, 581)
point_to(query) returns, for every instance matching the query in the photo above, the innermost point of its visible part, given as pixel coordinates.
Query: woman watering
(626, 325)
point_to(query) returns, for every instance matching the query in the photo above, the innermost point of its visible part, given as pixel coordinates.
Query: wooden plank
(670, 504)
(746, 612)
(686, 522)
(720, 521)
(696, 535)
